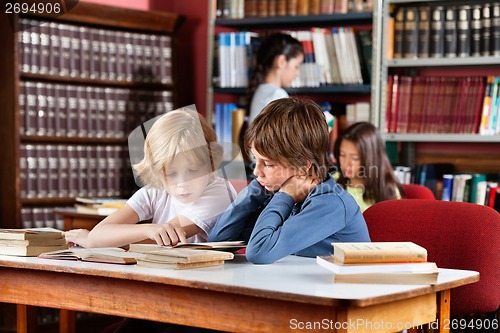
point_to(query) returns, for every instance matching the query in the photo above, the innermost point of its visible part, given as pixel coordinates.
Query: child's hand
(76, 237)
(167, 234)
(299, 187)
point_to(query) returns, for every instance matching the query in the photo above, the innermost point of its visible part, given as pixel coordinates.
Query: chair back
(416, 191)
(457, 235)
(238, 184)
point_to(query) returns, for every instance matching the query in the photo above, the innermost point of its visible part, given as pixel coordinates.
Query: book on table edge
(29, 250)
(429, 277)
(108, 255)
(378, 252)
(332, 265)
(178, 265)
(30, 234)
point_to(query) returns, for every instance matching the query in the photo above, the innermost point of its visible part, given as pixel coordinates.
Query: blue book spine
(447, 187)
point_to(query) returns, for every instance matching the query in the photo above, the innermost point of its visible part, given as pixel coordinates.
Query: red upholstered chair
(456, 235)
(238, 184)
(416, 191)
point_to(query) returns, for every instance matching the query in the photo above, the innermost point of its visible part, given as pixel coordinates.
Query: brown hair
(371, 149)
(291, 132)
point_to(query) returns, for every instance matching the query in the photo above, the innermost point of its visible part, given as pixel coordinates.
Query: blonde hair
(180, 131)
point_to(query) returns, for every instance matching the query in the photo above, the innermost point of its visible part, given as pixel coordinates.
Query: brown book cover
(424, 13)
(399, 32)
(262, 8)
(390, 38)
(178, 265)
(291, 7)
(378, 252)
(410, 33)
(302, 7)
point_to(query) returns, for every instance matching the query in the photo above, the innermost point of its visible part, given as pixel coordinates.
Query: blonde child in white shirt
(183, 194)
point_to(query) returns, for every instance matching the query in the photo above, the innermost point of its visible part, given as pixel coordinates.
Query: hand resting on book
(77, 237)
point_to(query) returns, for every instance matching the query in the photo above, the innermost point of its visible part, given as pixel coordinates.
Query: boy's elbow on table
(255, 257)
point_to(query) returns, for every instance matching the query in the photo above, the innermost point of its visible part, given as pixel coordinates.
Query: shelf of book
(344, 79)
(438, 74)
(96, 82)
(281, 22)
(73, 87)
(447, 62)
(80, 140)
(435, 137)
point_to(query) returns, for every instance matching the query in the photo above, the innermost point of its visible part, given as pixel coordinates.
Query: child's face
(185, 180)
(270, 174)
(290, 70)
(349, 159)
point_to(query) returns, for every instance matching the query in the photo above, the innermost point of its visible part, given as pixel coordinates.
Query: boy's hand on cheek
(298, 187)
(167, 234)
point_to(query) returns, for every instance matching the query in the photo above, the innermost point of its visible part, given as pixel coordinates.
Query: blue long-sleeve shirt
(275, 226)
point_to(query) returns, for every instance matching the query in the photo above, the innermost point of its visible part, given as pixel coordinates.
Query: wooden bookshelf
(150, 33)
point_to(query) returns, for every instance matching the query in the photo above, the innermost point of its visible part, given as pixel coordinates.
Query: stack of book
(103, 206)
(380, 262)
(178, 257)
(31, 242)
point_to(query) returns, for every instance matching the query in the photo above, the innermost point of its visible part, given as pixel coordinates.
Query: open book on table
(225, 246)
(109, 255)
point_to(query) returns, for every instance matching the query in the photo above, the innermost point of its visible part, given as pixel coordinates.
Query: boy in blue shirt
(292, 206)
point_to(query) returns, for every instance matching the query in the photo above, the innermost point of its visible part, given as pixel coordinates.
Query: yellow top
(357, 194)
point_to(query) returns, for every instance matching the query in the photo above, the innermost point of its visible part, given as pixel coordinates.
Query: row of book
(331, 56)
(48, 109)
(466, 105)
(237, 9)
(228, 121)
(84, 52)
(380, 263)
(41, 217)
(63, 171)
(445, 31)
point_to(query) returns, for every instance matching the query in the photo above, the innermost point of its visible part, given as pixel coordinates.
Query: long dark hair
(271, 47)
(383, 184)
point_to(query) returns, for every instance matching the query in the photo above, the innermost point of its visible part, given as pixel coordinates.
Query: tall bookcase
(350, 92)
(452, 70)
(73, 87)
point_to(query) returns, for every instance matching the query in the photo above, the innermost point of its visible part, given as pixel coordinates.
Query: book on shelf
(393, 273)
(378, 252)
(31, 242)
(179, 258)
(109, 255)
(101, 206)
(429, 277)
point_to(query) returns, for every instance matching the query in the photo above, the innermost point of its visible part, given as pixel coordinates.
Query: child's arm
(120, 228)
(241, 214)
(277, 233)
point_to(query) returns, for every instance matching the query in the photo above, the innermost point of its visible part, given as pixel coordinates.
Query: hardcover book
(103, 255)
(378, 252)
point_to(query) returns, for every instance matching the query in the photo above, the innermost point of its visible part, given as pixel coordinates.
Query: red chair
(238, 184)
(416, 191)
(456, 235)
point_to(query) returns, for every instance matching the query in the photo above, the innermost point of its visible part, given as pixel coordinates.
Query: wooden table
(292, 294)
